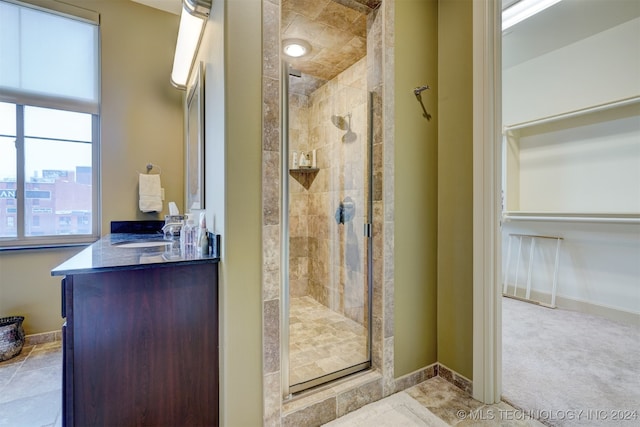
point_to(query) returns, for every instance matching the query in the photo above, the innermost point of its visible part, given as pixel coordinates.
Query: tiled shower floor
(322, 341)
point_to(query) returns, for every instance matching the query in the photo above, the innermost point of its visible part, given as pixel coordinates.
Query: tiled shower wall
(327, 258)
(299, 185)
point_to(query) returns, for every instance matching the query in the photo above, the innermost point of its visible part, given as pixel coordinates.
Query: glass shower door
(328, 204)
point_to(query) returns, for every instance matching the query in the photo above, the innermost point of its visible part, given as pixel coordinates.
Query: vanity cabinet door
(145, 347)
(66, 286)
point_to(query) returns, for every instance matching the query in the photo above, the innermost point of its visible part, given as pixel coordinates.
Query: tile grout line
(2, 389)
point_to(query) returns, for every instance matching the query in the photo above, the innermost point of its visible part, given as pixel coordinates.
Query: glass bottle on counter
(188, 237)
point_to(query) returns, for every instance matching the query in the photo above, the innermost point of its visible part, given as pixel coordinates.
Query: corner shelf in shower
(304, 176)
(304, 170)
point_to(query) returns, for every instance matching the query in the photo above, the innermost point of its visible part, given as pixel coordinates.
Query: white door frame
(487, 170)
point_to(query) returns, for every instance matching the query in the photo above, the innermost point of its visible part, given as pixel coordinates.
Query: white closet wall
(586, 165)
(599, 69)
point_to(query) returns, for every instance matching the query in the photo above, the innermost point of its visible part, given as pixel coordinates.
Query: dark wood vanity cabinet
(140, 346)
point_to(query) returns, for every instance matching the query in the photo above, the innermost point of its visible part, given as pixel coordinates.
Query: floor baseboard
(434, 370)
(43, 337)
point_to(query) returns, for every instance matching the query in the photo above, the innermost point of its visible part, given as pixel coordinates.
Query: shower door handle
(367, 230)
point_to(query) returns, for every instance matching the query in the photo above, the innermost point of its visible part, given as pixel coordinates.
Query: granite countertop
(109, 254)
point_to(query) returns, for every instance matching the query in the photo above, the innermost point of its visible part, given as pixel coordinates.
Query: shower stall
(328, 81)
(327, 216)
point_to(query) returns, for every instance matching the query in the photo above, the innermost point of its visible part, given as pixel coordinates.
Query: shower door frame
(287, 389)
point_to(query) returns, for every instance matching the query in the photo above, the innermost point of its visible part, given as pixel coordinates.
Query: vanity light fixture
(295, 48)
(522, 10)
(193, 19)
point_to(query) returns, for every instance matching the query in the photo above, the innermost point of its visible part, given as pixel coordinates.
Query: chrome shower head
(340, 122)
(350, 136)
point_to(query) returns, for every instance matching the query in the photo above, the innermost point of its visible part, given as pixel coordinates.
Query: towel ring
(150, 166)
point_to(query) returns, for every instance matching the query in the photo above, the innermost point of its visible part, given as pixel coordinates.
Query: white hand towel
(150, 193)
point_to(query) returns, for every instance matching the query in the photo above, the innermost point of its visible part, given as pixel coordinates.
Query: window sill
(20, 246)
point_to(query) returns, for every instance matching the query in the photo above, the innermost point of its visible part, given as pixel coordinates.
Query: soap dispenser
(203, 239)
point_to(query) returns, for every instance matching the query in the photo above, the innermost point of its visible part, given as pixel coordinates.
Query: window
(49, 125)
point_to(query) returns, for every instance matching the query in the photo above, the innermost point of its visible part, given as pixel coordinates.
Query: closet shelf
(589, 152)
(571, 217)
(570, 114)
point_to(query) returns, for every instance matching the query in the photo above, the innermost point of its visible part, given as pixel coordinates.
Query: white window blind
(48, 55)
(49, 124)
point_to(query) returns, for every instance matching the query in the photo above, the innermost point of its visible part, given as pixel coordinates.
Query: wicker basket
(11, 337)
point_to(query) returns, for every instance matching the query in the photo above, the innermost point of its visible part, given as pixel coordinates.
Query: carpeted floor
(570, 368)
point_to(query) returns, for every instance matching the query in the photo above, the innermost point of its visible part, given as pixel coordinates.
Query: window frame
(22, 99)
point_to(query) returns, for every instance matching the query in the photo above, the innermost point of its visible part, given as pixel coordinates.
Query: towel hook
(418, 93)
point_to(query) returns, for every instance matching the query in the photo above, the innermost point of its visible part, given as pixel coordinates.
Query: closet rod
(601, 219)
(587, 110)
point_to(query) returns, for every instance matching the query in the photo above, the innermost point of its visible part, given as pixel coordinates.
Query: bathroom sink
(143, 244)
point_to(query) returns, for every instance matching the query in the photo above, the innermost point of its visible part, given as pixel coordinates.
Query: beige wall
(27, 288)
(433, 187)
(141, 112)
(241, 388)
(455, 186)
(416, 143)
(141, 123)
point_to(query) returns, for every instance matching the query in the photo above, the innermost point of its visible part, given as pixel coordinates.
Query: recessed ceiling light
(295, 48)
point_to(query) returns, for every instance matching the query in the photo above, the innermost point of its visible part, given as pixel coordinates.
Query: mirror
(194, 142)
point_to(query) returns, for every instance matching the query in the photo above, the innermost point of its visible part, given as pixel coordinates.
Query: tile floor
(30, 396)
(434, 403)
(322, 341)
(30, 387)
(30, 384)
